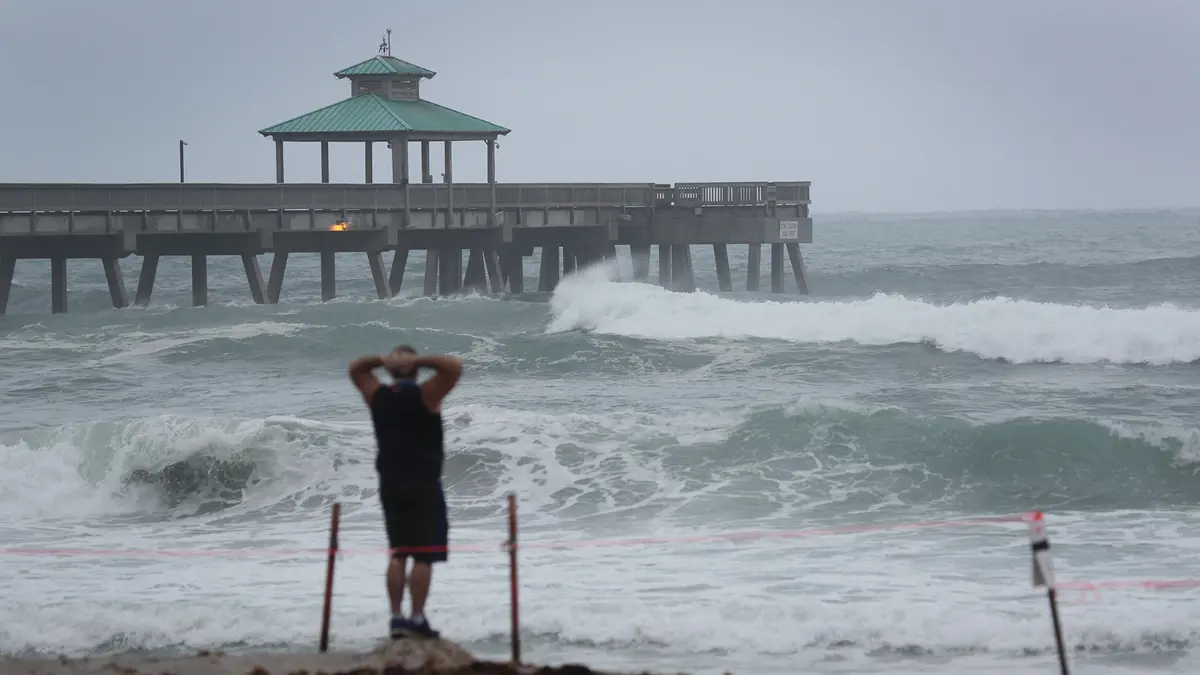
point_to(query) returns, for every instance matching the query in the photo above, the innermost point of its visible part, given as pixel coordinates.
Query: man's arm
(447, 370)
(362, 374)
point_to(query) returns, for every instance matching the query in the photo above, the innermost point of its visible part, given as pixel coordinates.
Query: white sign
(789, 229)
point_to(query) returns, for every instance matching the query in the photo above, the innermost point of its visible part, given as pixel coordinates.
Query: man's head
(411, 373)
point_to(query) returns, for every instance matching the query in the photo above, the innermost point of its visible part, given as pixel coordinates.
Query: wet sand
(392, 657)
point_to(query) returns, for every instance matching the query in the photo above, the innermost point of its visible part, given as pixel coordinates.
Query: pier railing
(115, 198)
(690, 195)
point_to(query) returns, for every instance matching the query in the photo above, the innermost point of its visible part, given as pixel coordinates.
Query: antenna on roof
(385, 47)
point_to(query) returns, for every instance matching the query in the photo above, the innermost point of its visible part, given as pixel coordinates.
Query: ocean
(945, 366)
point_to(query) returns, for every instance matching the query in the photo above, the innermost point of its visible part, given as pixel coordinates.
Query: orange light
(339, 227)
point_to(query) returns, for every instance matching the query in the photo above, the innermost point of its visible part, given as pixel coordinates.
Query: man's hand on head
(447, 370)
(362, 375)
(399, 362)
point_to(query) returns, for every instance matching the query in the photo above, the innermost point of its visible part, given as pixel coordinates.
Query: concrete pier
(495, 225)
(61, 223)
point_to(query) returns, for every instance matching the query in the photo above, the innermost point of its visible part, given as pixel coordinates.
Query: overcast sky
(885, 105)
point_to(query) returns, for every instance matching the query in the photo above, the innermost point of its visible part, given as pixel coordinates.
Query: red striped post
(333, 547)
(1043, 576)
(514, 596)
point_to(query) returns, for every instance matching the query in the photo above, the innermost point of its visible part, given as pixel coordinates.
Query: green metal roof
(385, 65)
(371, 113)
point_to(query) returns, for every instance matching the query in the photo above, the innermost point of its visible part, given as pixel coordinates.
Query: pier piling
(8, 267)
(569, 259)
(199, 280)
(548, 275)
(753, 267)
(254, 277)
(328, 276)
(146, 277)
(512, 265)
(449, 271)
(640, 256)
(491, 264)
(721, 260)
(275, 281)
(776, 268)
(797, 260)
(383, 288)
(396, 276)
(432, 259)
(116, 282)
(476, 277)
(58, 285)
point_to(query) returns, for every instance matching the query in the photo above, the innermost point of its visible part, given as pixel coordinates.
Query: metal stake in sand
(333, 548)
(1043, 575)
(512, 574)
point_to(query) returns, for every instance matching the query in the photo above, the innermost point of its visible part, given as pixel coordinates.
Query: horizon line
(1007, 210)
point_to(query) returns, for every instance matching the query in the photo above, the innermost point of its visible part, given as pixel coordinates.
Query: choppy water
(945, 366)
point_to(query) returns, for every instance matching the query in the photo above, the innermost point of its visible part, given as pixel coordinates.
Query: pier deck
(573, 224)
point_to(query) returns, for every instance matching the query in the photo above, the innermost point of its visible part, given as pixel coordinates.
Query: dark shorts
(415, 517)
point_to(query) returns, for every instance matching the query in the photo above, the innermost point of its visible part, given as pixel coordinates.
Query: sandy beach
(392, 657)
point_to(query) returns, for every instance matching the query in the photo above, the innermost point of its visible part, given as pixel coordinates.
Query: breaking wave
(999, 328)
(166, 465)
(773, 463)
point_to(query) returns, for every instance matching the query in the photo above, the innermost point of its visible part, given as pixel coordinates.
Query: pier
(495, 225)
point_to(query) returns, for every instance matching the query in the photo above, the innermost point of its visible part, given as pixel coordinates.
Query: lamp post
(181, 144)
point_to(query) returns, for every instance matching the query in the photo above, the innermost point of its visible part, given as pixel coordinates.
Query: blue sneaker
(423, 629)
(400, 627)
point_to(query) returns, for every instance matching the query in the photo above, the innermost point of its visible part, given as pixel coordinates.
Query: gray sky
(886, 105)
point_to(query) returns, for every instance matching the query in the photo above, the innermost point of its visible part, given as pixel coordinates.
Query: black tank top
(409, 437)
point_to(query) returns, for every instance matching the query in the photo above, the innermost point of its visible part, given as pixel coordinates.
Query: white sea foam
(784, 607)
(1019, 331)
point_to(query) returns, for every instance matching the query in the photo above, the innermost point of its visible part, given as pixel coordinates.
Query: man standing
(407, 417)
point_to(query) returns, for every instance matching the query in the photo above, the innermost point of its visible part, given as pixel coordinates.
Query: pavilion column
(404, 177)
(397, 163)
(369, 158)
(400, 169)
(491, 177)
(324, 161)
(449, 184)
(426, 174)
(278, 160)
